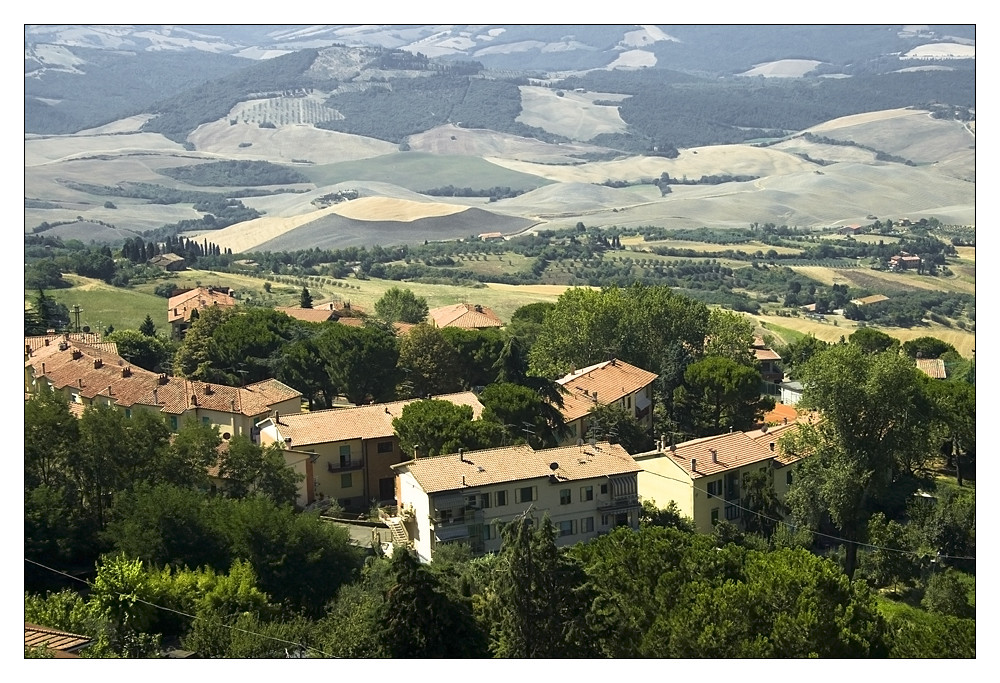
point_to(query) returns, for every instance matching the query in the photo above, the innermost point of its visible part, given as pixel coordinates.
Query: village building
(465, 316)
(181, 307)
(612, 382)
(345, 454)
(468, 497)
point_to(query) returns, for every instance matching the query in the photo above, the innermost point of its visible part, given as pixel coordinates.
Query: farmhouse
(866, 300)
(932, 367)
(904, 261)
(469, 497)
(311, 315)
(170, 262)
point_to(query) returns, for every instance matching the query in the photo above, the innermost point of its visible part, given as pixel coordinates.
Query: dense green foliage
(235, 173)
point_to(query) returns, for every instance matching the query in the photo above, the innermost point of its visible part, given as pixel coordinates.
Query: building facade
(346, 454)
(469, 497)
(705, 477)
(613, 382)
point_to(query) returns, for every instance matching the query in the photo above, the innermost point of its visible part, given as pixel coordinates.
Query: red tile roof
(781, 412)
(93, 372)
(517, 463)
(35, 636)
(310, 315)
(733, 450)
(468, 316)
(179, 307)
(612, 380)
(358, 422)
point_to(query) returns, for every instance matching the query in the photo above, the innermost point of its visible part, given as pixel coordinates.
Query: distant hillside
(338, 232)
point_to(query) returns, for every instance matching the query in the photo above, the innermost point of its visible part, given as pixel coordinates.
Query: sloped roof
(90, 338)
(467, 316)
(309, 315)
(35, 636)
(771, 435)
(518, 463)
(93, 372)
(733, 450)
(359, 422)
(179, 307)
(781, 412)
(873, 299)
(611, 380)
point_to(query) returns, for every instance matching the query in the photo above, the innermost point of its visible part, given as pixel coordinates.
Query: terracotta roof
(468, 316)
(781, 412)
(769, 435)
(179, 307)
(765, 354)
(91, 338)
(35, 636)
(310, 315)
(358, 422)
(932, 367)
(736, 449)
(93, 372)
(611, 380)
(518, 463)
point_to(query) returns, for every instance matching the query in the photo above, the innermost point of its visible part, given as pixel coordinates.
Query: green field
(417, 171)
(102, 305)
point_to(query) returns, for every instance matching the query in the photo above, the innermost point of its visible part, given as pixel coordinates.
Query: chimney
(46, 342)
(715, 455)
(156, 398)
(77, 353)
(730, 429)
(98, 363)
(109, 390)
(194, 399)
(416, 451)
(288, 442)
(80, 382)
(27, 350)
(43, 368)
(694, 464)
(126, 371)
(786, 420)
(463, 480)
(461, 456)
(208, 389)
(162, 379)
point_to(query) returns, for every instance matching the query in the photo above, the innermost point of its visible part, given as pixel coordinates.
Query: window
(501, 498)
(565, 498)
(470, 502)
(732, 512)
(715, 516)
(586, 493)
(345, 481)
(566, 528)
(205, 421)
(788, 477)
(524, 494)
(605, 520)
(345, 456)
(715, 488)
(385, 447)
(484, 501)
(489, 532)
(604, 489)
(586, 525)
(128, 414)
(173, 422)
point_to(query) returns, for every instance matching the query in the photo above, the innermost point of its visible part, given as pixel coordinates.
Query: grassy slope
(417, 171)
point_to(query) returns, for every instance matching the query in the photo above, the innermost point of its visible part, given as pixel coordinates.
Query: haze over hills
(420, 113)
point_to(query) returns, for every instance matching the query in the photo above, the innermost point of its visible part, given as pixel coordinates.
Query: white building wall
(413, 497)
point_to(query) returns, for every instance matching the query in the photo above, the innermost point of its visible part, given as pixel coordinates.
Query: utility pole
(76, 312)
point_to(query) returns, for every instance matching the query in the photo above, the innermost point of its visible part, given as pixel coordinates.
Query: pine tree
(305, 300)
(147, 327)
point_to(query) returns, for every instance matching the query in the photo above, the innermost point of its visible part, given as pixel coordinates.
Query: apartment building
(467, 497)
(612, 382)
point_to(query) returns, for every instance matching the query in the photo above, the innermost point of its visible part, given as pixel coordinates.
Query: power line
(184, 614)
(815, 533)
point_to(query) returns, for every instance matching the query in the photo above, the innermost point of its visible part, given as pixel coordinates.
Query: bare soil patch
(570, 113)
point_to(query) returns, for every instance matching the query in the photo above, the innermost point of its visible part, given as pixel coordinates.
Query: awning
(451, 532)
(641, 402)
(624, 487)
